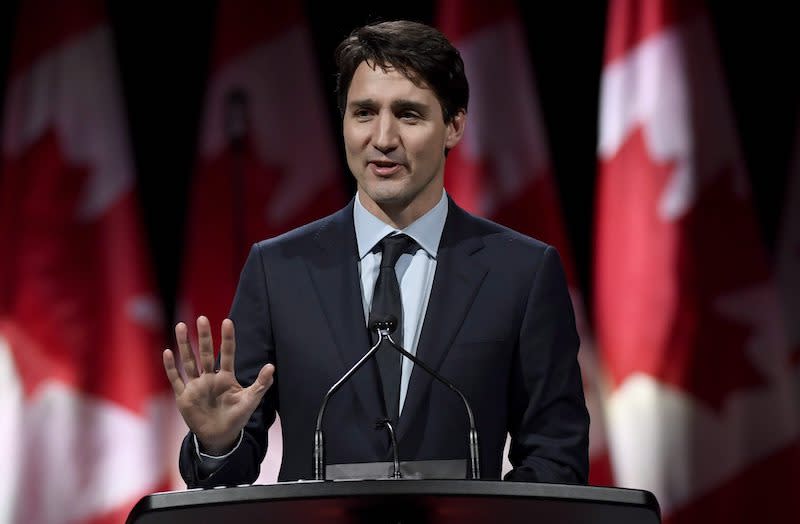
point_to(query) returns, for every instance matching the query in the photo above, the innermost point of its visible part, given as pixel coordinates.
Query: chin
(389, 192)
(390, 200)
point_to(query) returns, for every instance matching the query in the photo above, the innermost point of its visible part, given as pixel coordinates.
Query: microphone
(385, 326)
(319, 440)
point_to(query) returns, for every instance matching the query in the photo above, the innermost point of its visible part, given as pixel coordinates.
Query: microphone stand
(395, 456)
(383, 328)
(236, 131)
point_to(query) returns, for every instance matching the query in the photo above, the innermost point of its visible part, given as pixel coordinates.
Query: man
(486, 307)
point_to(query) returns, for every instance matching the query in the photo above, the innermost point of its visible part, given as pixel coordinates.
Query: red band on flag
(632, 21)
(244, 24)
(461, 18)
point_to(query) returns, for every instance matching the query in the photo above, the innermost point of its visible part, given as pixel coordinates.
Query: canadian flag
(789, 254)
(85, 404)
(266, 162)
(501, 169)
(704, 409)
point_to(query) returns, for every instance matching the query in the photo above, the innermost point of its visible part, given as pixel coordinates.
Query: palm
(213, 404)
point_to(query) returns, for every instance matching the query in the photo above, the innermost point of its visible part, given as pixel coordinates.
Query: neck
(399, 215)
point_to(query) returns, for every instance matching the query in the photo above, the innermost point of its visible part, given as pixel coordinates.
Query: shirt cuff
(204, 457)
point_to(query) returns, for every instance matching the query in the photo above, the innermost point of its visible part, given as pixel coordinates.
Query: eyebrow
(406, 105)
(401, 104)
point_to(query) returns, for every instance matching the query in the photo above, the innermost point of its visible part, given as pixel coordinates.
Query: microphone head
(383, 322)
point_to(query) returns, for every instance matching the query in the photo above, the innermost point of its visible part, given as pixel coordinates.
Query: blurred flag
(704, 412)
(266, 162)
(789, 254)
(501, 169)
(82, 392)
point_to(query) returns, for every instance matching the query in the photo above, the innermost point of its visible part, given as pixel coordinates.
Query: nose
(386, 136)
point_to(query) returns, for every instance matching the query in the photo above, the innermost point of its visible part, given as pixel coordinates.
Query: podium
(399, 501)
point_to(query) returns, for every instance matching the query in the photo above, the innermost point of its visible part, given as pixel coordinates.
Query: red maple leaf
(659, 282)
(67, 283)
(44, 310)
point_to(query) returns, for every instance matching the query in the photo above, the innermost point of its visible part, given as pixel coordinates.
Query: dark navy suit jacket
(499, 324)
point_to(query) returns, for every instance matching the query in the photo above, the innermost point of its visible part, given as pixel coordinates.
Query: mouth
(384, 168)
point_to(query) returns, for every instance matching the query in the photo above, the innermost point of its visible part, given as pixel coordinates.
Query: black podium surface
(395, 501)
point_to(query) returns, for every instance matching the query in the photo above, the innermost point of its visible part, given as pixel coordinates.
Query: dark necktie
(386, 301)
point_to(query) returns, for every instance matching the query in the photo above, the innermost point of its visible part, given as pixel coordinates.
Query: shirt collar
(426, 230)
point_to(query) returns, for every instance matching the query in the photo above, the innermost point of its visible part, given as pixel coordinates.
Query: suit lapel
(455, 284)
(334, 272)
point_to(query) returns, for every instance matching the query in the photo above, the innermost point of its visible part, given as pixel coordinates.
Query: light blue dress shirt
(414, 272)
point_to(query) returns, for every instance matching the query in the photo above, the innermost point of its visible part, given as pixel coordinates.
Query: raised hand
(213, 403)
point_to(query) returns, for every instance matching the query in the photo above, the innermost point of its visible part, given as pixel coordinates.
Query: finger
(172, 372)
(185, 348)
(228, 347)
(262, 383)
(205, 344)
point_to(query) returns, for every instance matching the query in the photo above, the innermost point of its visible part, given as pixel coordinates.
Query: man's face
(395, 138)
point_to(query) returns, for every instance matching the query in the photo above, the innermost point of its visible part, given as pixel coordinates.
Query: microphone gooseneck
(319, 440)
(385, 327)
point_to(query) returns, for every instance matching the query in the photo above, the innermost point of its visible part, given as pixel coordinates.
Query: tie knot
(395, 245)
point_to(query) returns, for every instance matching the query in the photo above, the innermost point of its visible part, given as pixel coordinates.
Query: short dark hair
(418, 51)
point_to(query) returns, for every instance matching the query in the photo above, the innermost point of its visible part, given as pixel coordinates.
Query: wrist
(217, 448)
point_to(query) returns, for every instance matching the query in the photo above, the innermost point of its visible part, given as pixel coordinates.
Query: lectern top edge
(392, 487)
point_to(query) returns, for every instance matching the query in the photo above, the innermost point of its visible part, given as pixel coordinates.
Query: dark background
(163, 50)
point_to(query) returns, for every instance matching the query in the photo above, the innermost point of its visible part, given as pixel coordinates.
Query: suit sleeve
(549, 422)
(254, 348)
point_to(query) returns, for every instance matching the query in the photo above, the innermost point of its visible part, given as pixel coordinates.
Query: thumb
(263, 381)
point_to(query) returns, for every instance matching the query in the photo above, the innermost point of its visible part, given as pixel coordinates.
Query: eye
(410, 116)
(362, 113)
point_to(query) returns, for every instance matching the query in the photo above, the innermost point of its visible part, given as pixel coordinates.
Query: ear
(455, 129)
